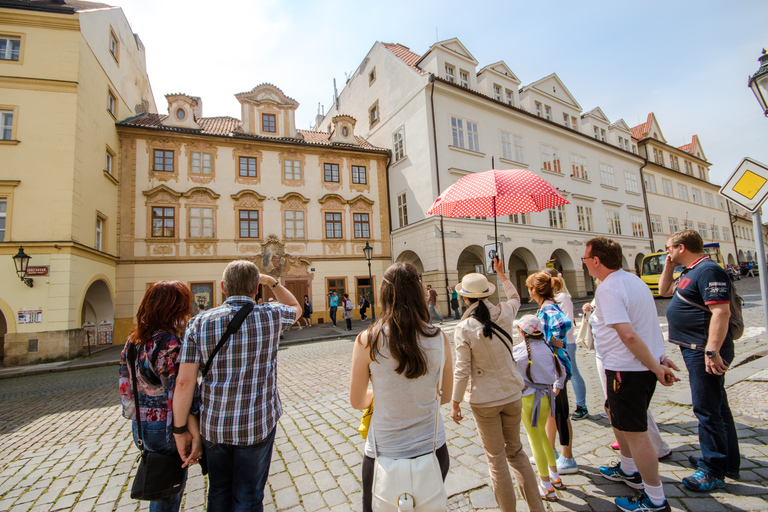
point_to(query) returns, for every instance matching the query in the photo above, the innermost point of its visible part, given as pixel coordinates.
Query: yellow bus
(653, 266)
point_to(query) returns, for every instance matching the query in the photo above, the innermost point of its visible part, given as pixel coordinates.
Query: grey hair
(241, 277)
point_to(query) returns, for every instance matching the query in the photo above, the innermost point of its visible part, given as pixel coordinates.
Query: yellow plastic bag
(365, 422)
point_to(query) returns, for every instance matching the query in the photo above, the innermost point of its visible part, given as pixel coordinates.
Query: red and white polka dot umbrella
(495, 193)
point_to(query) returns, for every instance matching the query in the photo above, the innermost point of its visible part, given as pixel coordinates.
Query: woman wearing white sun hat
(487, 372)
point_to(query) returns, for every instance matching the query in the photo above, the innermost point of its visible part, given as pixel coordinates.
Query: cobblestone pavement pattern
(65, 446)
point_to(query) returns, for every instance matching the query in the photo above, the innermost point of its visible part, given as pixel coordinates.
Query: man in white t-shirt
(629, 342)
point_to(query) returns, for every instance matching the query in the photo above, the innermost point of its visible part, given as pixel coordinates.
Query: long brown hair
(544, 285)
(404, 311)
(165, 307)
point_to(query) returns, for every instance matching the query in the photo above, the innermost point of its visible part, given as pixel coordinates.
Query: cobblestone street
(65, 446)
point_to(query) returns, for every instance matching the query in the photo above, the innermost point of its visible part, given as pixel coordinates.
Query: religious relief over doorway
(275, 261)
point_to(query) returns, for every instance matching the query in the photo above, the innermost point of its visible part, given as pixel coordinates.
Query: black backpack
(736, 321)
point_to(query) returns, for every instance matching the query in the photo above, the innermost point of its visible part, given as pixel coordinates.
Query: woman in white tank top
(400, 355)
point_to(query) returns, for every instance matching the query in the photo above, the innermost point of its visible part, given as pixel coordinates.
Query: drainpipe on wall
(437, 176)
(645, 200)
(732, 221)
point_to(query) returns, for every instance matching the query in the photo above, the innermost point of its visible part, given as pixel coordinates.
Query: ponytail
(482, 315)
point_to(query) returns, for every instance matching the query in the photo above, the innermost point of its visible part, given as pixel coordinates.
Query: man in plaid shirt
(240, 403)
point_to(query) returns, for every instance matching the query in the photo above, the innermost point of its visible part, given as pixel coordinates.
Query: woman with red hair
(161, 319)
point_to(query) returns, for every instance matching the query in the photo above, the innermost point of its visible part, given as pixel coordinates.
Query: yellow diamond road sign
(748, 185)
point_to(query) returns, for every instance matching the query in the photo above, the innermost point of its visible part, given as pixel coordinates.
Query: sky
(686, 61)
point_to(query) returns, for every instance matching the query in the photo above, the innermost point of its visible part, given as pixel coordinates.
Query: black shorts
(629, 395)
(562, 410)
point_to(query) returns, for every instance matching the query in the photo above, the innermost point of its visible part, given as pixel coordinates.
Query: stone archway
(97, 315)
(741, 256)
(730, 259)
(521, 264)
(639, 262)
(412, 257)
(468, 261)
(564, 264)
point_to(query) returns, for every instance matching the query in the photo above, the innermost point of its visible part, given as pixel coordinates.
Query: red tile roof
(691, 148)
(229, 126)
(641, 131)
(404, 53)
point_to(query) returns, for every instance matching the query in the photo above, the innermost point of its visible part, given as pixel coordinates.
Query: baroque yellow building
(198, 192)
(68, 71)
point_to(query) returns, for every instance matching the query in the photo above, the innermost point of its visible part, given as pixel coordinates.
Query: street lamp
(759, 83)
(368, 251)
(21, 261)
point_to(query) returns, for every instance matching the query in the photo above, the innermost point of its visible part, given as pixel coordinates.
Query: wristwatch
(276, 283)
(179, 430)
(711, 353)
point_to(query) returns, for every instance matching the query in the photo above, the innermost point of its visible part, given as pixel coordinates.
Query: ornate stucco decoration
(201, 147)
(162, 194)
(275, 261)
(247, 199)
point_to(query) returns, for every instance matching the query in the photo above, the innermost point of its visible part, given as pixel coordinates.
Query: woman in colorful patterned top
(542, 288)
(161, 319)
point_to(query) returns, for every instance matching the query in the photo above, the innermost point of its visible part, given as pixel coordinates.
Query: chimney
(198, 107)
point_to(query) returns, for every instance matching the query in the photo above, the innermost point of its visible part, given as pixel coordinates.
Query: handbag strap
(232, 327)
(437, 409)
(132, 371)
(501, 333)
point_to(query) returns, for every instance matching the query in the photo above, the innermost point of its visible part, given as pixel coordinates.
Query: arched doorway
(97, 317)
(639, 262)
(730, 259)
(749, 255)
(521, 263)
(470, 260)
(564, 265)
(741, 256)
(412, 257)
(625, 263)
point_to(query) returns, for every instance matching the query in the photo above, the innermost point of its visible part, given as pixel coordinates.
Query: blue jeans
(155, 437)
(717, 432)
(237, 475)
(577, 381)
(433, 313)
(333, 315)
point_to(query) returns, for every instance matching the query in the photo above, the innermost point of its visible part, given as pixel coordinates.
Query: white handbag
(584, 336)
(416, 485)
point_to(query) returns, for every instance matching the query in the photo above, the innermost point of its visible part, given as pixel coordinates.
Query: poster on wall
(30, 316)
(202, 296)
(105, 332)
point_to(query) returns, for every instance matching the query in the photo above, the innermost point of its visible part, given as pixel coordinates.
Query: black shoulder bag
(501, 333)
(159, 476)
(232, 328)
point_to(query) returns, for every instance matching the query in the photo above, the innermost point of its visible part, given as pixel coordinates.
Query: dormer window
(345, 131)
(597, 132)
(602, 134)
(510, 97)
(464, 78)
(268, 123)
(180, 114)
(538, 109)
(497, 92)
(548, 112)
(450, 73)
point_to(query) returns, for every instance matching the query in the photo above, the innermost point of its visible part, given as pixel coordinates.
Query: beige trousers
(499, 429)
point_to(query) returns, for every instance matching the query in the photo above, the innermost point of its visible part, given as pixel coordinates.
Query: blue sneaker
(614, 473)
(641, 503)
(702, 482)
(567, 466)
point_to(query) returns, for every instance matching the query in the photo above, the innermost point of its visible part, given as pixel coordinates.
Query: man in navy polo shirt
(707, 348)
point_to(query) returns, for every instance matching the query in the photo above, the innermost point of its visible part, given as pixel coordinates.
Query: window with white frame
(574, 123)
(108, 160)
(510, 97)
(538, 109)
(402, 210)
(702, 172)
(111, 103)
(630, 181)
(720, 203)
(650, 183)
(687, 224)
(696, 194)
(457, 130)
(726, 235)
(715, 232)
(10, 48)
(621, 142)
(548, 112)
(703, 230)
(614, 222)
(200, 222)
(656, 224)
(294, 223)
(3, 217)
(506, 146)
(566, 119)
(464, 78)
(606, 175)
(114, 45)
(688, 167)
(550, 158)
(673, 227)
(373, 114)
(99, 233)
(675, 162)
(473, 137)
(579, 167)
(520, 218)
(292, 169)
(201, 162)
(626, 144)
(597, 132)
(658, 156)
(6, 125)
(497, 92)
(634, 149)
(638, 229)
(709, 199)
(682, 191)
(557, 217)
(450, 73)
(398, 143)
(584, 217)
(667, 185)
(517, 142)
(602, 135)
